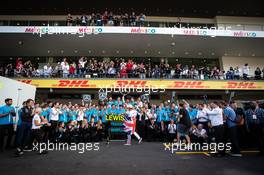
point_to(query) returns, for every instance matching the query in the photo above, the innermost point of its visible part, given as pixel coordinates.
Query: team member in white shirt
(80, 115)
(36, 125)
(54, 118)
(215, 116)
(202, 116)
(200, 134)
(172, 130)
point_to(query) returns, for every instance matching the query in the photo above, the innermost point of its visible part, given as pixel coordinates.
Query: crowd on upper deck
(125, 68)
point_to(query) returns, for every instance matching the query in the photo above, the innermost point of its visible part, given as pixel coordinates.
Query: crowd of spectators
(121, 68)
(107, 19)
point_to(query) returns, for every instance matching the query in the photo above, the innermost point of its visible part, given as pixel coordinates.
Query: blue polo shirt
(167, 113)
(192, 114)
(64, 116)
(231, 117)
(161, 115)
(88, 114)
(45, 114)
(121, 111)
(113, 111)
(110, 103)
(102, 113)
(96, 114)
(118, 103)
(7, 120)
(72, 115)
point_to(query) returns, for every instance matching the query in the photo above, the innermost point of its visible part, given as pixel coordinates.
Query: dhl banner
(158, 84)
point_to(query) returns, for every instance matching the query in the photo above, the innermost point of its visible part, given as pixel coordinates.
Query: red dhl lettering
(188, 84)
(26, 81)
(241, 85)
(132, 83)
(73, 83)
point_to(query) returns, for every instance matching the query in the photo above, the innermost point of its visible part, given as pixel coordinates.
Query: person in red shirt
(123, 73)
(72, 70)
(129, 67)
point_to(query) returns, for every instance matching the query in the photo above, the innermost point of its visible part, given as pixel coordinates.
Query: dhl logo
(240, 85)
(26, 81)
(74, 83)
(188, 85)
(29, 82)
(131, 83)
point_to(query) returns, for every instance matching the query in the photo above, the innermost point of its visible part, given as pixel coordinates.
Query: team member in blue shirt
(230, 118)
(96, 114)
(87, 114)
(110, 101)
(161, 114)
(167, 114)
(193, 114)
(7, 112)
(63, 117)
(118, 102)
(121, 110)
(102, 114)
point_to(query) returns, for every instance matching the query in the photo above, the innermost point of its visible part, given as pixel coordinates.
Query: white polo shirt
(202, 115)
(215, 116)
(54, 114)
(36, 117)
(172, 128)
(80, 115)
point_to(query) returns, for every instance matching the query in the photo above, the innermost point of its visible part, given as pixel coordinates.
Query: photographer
(7, 112)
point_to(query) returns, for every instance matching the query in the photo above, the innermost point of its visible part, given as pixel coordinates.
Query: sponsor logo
(74, 84)
(188, 85)
(245, 34)
(26, 81)
(240, 85)
(143, 30)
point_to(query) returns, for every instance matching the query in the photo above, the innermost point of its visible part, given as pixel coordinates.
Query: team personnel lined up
(166, 122)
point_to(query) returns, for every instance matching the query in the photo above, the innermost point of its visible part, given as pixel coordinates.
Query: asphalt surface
(138, 159)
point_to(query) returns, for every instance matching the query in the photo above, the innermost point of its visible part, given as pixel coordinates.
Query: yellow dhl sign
(158, 84)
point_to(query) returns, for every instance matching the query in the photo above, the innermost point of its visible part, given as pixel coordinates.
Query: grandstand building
(222, 39)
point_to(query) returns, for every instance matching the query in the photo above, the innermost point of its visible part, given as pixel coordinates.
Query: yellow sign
(115, 118)
(158, 84)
